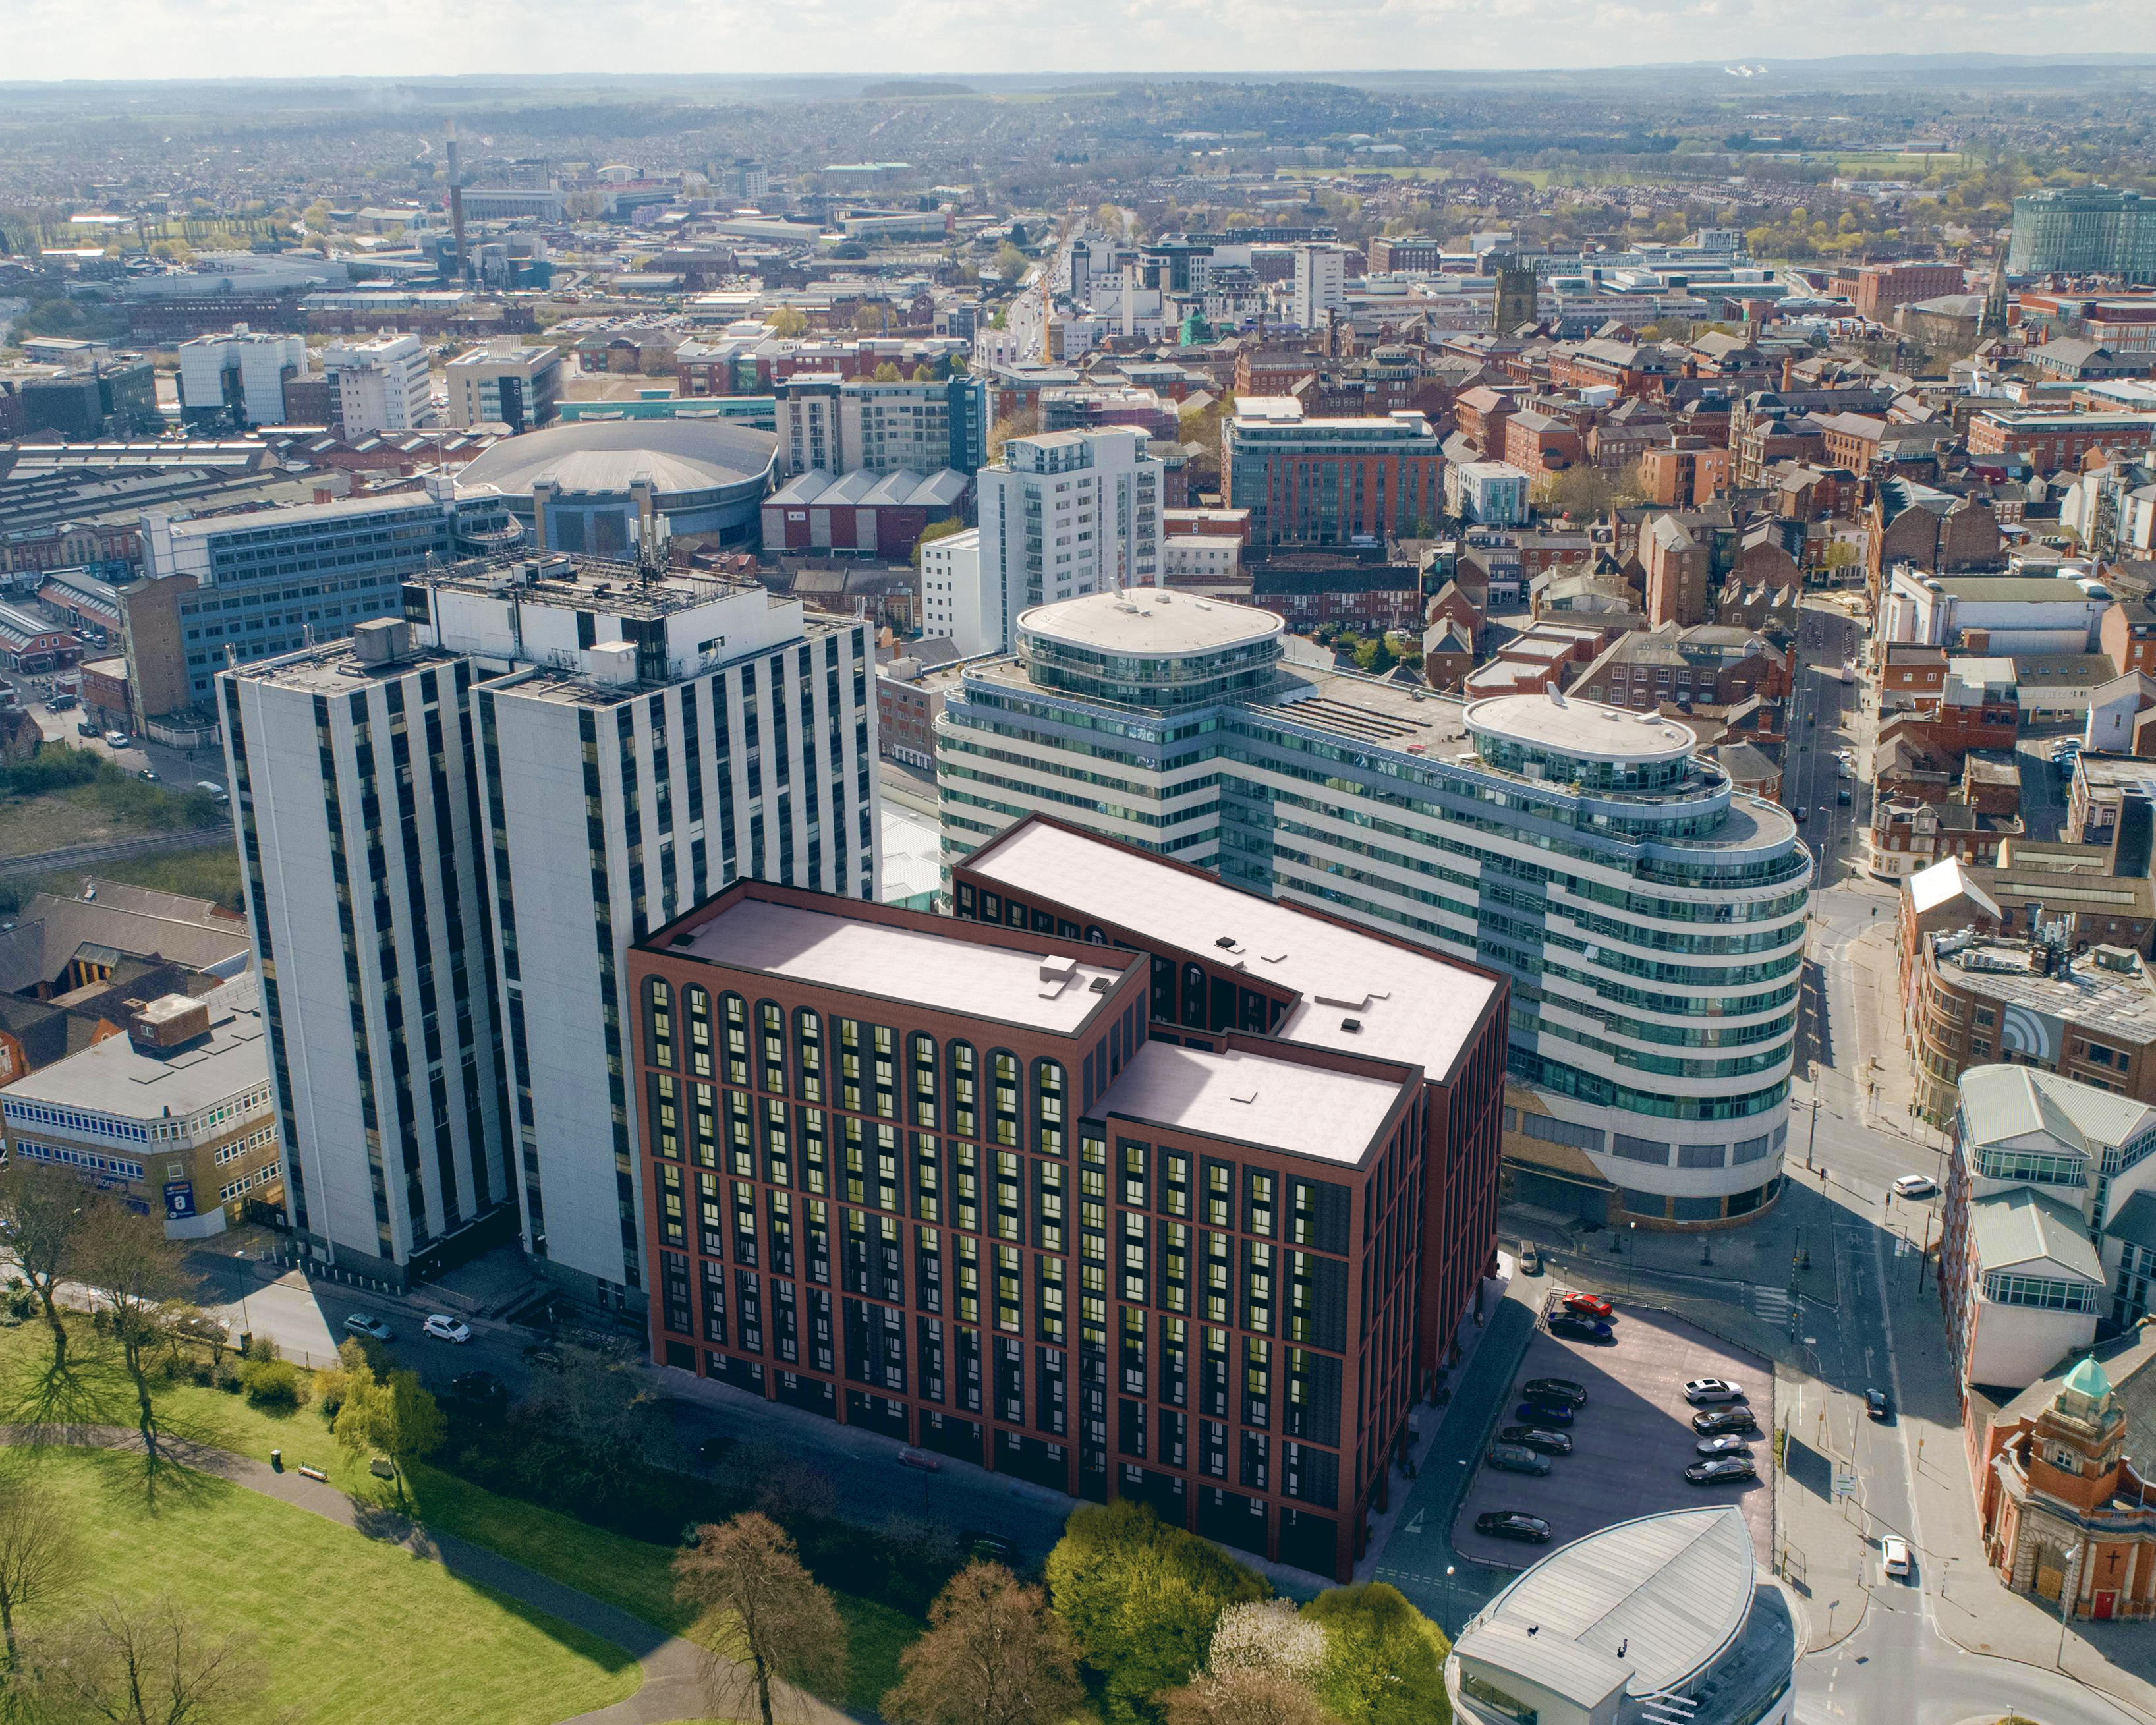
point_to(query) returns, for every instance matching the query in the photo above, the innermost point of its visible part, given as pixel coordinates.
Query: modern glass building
(1650, 915)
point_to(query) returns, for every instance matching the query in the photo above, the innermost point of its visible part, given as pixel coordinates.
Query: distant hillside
(901, 87)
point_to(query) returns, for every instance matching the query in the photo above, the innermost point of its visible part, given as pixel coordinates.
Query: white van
(212, 789)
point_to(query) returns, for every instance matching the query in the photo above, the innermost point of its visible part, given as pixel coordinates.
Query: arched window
(659, 1022)
(699, 1005)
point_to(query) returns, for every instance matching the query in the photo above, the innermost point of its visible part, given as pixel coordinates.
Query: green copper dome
(2088, 1378)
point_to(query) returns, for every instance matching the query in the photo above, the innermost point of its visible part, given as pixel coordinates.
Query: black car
(476, 1386)
(1580, 1329)
(1542, 1413)
(1535, 1437)
(1721, 1469)
(1877, 1405)
(1561, 1390)
(1514, 1524)
(1714, 1421)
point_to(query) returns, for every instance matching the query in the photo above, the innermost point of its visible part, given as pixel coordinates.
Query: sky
(284, 38)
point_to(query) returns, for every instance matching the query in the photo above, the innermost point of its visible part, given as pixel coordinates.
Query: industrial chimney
(457, 208)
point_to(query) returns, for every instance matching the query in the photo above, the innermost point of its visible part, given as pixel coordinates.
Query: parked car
(147, 775)
(1721, 1470)
(1561, 1390)
(84, 728)
(1841, 798)
(1518, 1458)
(1514, 1524)
(365, 1323)
(1716, 1420)
(477, 1386)
(118, 739)
(1587, 1306)
(1580, 1329)
(1915, 1186)
(443, 1327)
(989, 1548)
(1540, 1414)
(1702, 1391)
(1877, 1405)
(1535, 1437)
(920, 1459)
(1728, 1443)
(1894, 1554)
(1804, 814)
(1530, 1259)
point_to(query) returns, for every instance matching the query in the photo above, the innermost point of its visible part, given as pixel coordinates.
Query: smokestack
(457, 208)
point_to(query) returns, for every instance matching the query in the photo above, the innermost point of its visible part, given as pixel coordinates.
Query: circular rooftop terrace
(1149, 623)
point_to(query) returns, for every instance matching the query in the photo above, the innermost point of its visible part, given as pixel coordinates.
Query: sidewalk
(671, 1688)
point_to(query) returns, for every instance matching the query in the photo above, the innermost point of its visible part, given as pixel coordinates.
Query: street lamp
(2068, 1587)
(1450, 1610)
(1629, 1257)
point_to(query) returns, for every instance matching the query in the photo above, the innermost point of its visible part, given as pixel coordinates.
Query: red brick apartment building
(1118, 1216)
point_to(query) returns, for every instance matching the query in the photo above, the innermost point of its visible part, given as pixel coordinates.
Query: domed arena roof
(605, 457)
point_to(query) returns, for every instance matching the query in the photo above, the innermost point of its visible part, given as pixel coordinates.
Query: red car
(1587, 1305)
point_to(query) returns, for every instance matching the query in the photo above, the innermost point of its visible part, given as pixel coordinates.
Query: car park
(1894, 1555)
(1518, 1458)
(1729, 1443)
(1588, 1305)
(1700, 1392)
(367, 1324)
(1877, 1405)
(1718, 1420)
(1535, 1414)
(1537, 1437)
(1580, 1329)
(1721, 1470)
(443, 1327)
(1561, 1390)
(1915, 1186)
(1514, 1524)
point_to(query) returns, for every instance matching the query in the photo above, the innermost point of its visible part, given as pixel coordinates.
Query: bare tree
(994, 1655)
(1242, 1696)
(764, 1618)
(40, 1558)
(147, 1663)
(135, 1271)
(43, 1213)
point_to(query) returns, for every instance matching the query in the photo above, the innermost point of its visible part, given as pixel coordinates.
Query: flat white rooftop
(1585, 730)
(1251, 1099)
(1150, 620)
(1413, 1006)
(930, 970)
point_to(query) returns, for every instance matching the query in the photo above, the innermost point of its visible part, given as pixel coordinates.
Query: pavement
(671, 1690)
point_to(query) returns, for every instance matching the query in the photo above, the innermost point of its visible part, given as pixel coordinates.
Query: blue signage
(179, 1200)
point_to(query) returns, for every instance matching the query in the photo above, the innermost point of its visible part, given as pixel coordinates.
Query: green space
(387, 1638)
(211, 872)
(631, 1573)
(73, 795)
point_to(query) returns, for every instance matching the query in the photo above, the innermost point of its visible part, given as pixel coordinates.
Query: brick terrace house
(1117, 1210)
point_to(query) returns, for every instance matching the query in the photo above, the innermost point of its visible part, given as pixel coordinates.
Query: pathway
(670, 1690)
(76, 856)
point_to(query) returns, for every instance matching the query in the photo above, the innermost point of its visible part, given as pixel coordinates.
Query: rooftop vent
(1245, 1092)
(1353, 1025)
(1099, 985)
(683, 940)
(1226, 943)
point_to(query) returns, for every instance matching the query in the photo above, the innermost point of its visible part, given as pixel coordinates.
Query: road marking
(1414, 1526)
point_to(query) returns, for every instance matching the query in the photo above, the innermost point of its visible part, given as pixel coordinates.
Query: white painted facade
(381, 384)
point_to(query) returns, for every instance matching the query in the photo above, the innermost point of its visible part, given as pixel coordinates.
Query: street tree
(936, 530)
(43, 1214)
(40, 1558)
(148, 1662)
(1385, 1663)
(136, 1274)
(1011, 263)
(1270, 1635)
(762, 1620)
(1242, 1696)
(994, 1655)
(393, 1417)
(787, 320)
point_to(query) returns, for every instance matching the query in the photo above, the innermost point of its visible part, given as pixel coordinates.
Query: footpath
(671, 1690)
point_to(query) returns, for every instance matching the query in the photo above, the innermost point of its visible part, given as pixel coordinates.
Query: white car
(1702, 1391)
(444, 1328)
(1915, 1186)
(1895, 1556)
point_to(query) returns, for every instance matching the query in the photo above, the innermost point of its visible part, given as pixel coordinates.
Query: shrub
(272, 1384)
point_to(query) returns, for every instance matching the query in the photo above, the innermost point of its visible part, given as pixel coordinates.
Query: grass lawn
(111, 806)
(386, 1638)
(212, 872)
(631, 1573)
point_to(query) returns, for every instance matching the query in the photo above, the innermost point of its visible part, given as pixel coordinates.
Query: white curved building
(1664, 1619)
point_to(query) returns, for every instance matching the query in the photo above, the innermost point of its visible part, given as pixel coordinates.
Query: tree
(147, 1663)
(870, 317)
(1386, 1660)
(763, 1619)
(42, 1215)
(934, 531)
(1141, 1600)
(1582, 493)
(787, 320)
(994, 1655)
(39, 1557)
(1840, 555)
(1376, 656)
(887, 372)
(1242, 1696)
(1011, 264)
(1271, 1635)
(395, 1417)
(1024, 423)
(137, 1272)
(595, 1429)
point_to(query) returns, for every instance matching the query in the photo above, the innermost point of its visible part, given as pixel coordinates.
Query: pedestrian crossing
(1769, 1305)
